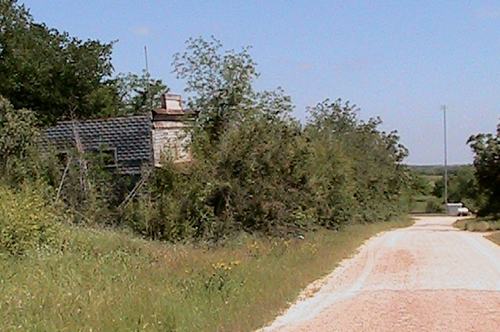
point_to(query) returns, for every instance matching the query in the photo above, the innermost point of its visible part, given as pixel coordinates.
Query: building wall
(171, 140)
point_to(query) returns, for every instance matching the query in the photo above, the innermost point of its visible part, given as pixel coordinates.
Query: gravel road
(427, 277)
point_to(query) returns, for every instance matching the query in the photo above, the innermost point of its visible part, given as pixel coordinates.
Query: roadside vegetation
(484, 224)
(109, 280)
(486, 148)
(494, 237)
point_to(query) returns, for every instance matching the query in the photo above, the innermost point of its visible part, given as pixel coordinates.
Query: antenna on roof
(149, 100)
(146, 58)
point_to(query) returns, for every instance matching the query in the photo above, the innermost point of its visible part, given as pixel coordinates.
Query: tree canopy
(486, 148)
(59, 76)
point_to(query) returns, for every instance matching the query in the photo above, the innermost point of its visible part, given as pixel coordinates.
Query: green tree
(17, 132)
(18, 136)
(139, 93)
(220, 82)
(486, 148)
(21, 159)
(420, 184)
(363, 175)
(462, 187)
(51, 72)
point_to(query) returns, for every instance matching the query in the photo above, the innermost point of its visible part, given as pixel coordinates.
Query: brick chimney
(171, 103)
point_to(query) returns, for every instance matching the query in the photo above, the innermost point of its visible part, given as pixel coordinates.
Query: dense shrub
(354, 169)
(256, 169)
(434, 205)
(160, 209)
(252, 180)
(27, 221)
(89, 189)
(265, 173)
(486, 148)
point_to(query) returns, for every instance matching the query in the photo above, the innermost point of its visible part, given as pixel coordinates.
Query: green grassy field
(112, 281)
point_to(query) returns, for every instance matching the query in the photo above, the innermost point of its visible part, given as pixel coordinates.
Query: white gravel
(427, 277)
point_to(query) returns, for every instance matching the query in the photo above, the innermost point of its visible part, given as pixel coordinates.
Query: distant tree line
(476, 185)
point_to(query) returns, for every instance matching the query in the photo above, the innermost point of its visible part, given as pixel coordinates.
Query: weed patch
(27, 221)
(112, 281)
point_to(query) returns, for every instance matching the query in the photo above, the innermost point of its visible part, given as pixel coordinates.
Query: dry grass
(478, 224)
(494, 237)
(112, 281)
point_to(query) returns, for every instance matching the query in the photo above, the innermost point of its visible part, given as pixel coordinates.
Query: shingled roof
(130, 138)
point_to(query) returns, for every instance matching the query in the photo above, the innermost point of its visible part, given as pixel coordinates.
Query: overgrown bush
(252, 180)
(486, 148)
(90, 190)
(256, 169)
(28, 221)
(160, 210)
(355, 170)
(434, 205)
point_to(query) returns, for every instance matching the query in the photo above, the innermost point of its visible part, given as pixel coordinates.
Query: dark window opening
(62, 158)
(105, 157)
(108, 157)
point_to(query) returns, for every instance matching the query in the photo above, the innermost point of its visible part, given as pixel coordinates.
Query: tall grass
(112, 281)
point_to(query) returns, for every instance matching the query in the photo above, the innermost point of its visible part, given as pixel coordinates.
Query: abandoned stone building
(130, 143)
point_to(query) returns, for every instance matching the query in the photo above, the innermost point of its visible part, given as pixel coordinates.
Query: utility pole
(445, 157)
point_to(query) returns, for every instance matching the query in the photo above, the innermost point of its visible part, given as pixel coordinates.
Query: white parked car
(463, 211)
(456, 209)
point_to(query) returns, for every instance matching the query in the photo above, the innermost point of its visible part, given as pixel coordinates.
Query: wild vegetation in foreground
(107, 280)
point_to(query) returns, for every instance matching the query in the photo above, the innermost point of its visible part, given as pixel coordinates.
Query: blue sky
(399, 60)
